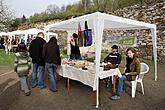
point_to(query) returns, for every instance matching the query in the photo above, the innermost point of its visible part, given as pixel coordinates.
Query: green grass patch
(6, 59)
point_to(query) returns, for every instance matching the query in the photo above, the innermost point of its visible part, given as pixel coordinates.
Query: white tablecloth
(85, 76)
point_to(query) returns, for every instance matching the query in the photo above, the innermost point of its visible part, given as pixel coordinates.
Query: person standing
(22, 65)
(131, 71)
(35, 50)
(51, 55)
(75, 51)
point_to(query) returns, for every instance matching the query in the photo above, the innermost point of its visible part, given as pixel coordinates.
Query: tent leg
(97, 94)
(68, 86)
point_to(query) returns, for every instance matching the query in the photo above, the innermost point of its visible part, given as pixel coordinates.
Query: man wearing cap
(111, 61)
(114, 57)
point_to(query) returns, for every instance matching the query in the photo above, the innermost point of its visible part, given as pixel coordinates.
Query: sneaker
(42, 87)
(28, 93)
(34, 86)
(115, 97)
(53, 90)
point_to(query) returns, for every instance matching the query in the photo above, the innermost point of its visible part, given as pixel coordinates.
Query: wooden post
(68, 85)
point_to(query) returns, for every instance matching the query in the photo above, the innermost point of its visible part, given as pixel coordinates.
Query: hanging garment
(80, 37)
(88, 37)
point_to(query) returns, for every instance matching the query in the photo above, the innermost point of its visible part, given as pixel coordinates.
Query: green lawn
(6, 59)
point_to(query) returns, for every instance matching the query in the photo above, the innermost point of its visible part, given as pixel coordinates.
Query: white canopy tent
(24, 33)
(17, 32)
(3, 34)
(100, 21)
(35, 31)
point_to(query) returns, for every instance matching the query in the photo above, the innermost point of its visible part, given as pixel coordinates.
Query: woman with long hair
(51, 55)
(131, 71)
(75, 51)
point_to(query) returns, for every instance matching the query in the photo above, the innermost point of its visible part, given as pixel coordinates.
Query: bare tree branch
(5, 15)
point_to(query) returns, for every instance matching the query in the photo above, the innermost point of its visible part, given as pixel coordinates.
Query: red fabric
(80, 39)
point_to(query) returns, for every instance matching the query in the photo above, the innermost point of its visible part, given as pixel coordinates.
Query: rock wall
(150, 14)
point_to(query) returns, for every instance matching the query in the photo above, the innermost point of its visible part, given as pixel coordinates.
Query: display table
(85, 76)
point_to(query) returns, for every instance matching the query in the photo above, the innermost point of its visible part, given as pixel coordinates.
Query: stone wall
(150, 14)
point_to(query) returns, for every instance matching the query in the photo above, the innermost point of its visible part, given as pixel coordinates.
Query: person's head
(22, 47)
(114, 48)
(75, 36)
(53, 40)
(131, 52)
(40, 34)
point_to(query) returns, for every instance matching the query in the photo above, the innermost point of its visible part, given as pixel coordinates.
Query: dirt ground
(81, 97)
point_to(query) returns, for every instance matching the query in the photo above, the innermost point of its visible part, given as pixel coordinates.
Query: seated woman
(75, 51)
(131, 71)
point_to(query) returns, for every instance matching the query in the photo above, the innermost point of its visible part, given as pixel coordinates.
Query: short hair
(75, 35)
(41, 33)
(114, 47)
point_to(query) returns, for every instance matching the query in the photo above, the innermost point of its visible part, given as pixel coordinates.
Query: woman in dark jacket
(51, 55)
(22, 65)
(131, 71)
(75, 51)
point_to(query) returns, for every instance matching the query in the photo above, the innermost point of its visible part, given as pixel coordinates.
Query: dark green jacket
(134, 68)
(22, 63)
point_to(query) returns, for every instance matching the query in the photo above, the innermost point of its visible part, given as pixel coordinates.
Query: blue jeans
(75, 56)
(120, 84)
(51, 68)
(38, 76)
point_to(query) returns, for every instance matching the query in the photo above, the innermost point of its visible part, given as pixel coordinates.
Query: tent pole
(98, 31)
(153, 32)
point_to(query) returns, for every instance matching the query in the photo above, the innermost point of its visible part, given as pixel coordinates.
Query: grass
(6, 59)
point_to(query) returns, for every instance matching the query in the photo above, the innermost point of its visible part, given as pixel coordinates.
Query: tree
(102, 5)
(85, 4)
(63, 8)
(5, 16)
(53, 8)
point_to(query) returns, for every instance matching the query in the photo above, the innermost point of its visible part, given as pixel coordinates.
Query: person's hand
(127, 73)
(103, 64)
(109, 63)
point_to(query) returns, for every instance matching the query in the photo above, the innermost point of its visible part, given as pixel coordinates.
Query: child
(21, 66)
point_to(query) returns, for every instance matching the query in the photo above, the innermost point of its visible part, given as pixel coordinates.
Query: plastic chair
(144, 68)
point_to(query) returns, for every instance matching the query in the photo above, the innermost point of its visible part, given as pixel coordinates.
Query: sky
(29, 7)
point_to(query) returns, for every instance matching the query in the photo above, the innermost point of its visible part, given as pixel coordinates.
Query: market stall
(86, 76)
(98, 22)
(35, 31)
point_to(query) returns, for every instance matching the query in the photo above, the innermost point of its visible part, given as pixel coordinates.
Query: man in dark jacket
(35, 50)
(114, 57)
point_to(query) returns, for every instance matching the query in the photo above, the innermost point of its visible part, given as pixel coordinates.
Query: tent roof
(36, 31)
(33, 31)
(3, 33)
(17, 32)
(110, 22)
